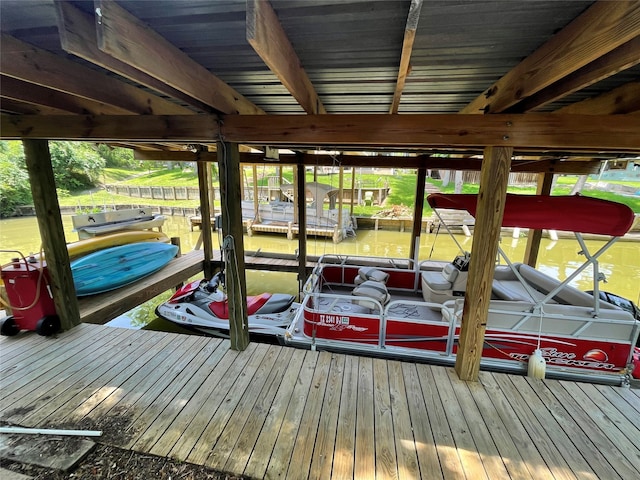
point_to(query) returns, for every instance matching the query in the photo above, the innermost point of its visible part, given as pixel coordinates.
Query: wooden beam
(45, 201)
(129, 40)
(600, 29)
(9, 105)
(534, 165)
(621, 100)
(302, 223)
(545, 182)
(535, 130)
(492, 196)
(204, 184)
(78, 36)
(233, 246)
(34, 65)
(417, 214)
(407, 48)
(53, 100)
(622, 58)
(267, 37)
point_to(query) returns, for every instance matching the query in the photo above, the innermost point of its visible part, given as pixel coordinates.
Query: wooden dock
(279, 412)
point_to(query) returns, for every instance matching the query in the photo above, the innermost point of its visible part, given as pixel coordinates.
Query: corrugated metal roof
(350, 49)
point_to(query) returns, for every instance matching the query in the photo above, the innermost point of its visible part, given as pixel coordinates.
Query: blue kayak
(116, 267)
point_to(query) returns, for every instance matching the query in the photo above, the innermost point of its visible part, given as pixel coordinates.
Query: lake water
(620, 264)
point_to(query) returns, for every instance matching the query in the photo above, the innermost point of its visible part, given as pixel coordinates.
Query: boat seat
(442, 280)
(568, 295)
(372, 290)
(370, 273)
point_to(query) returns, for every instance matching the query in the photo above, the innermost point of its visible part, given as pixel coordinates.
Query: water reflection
(620, 264)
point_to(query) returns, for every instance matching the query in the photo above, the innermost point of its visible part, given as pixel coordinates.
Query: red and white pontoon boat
(404, 309)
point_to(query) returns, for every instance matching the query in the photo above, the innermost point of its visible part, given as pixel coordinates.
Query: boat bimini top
(574, 213)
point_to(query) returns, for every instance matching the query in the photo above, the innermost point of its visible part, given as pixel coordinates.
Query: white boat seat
(568, 295)
(442, 280)
(370, 273)
(373, 290)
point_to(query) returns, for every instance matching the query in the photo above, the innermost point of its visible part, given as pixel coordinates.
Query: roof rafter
(623, 57)
(78, 37)
(58, 101)
(34, 65)
(537, 130)
(267, 37)
(129, 40)
(407, 48)
(621, 100)
(600, 29)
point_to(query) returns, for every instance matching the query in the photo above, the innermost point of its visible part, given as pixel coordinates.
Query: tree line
(76, 166)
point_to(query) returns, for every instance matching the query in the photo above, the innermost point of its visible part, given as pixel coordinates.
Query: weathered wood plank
(189, 441)
(163, 384)
(601, 423)
(271, 370)
(467, 451)
(364, 460)
(93, 376)
(58, 380)
(496, 408)
(405, 451)
(420, 413)
(549, 439)
(181, 435)
(283, 448)
(343, 459)
(191, 381)
(19, 385)
(578, 453)
(600, 392)
(303, 445)
(385, 449)
(265, 443)
(219, 420)
(489, 433)
(276, 391)
(323, 452)
(103, 397)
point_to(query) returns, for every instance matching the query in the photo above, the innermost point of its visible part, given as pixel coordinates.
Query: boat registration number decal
(334, 320)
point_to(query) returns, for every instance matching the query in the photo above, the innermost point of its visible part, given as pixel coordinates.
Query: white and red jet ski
(202, 305)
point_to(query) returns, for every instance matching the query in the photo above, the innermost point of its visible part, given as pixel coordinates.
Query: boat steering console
(461, 262)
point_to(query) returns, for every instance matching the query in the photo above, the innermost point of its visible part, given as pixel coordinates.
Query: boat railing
(361, 261)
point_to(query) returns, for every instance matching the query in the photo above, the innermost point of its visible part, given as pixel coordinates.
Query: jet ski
(203, 305)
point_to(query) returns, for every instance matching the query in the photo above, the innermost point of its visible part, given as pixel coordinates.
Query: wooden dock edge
(102, 308)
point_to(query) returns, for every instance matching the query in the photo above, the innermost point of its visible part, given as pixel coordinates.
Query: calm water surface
(621, 264)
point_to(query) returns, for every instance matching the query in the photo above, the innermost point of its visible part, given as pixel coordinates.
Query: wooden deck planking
(272, 411)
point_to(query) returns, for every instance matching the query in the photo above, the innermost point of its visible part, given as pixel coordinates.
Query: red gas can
(30, 299)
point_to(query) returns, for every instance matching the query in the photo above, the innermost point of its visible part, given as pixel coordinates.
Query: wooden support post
(340, 202)
(545, 182)
(45, 200)
(233, 244)
(302, 228)
(256, 200)
(494, 177)
(299, 201)
(353, 189)
(205, 218)
(417, 216)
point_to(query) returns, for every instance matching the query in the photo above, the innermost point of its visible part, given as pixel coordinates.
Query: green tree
(14, 180)
(116, 157)
(75, 165)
